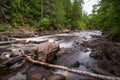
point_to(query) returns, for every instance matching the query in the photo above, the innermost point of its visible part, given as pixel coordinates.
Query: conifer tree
(76, 13)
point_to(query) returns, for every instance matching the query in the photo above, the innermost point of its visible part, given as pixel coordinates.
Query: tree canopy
(42, 14)
(60, 14)
(106, 16)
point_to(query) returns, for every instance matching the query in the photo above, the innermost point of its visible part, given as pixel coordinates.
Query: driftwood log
(5, 43)
(85, 73)
(2, 43)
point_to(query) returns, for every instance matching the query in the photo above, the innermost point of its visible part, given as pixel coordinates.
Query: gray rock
(18, 76)
(75, 64)
(47, 51)
(56, 77)
(17, 65)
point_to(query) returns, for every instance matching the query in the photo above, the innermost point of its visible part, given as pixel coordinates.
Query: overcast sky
(88, 5)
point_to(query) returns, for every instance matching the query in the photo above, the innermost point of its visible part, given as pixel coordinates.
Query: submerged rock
(18, 76)
(5, 55)
(37, 73)
(17, 65)
(76, 64)
(36, 76)
(56, 77)
(99, 70)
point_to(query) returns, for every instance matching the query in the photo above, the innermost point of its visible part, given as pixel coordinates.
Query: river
(67, 41)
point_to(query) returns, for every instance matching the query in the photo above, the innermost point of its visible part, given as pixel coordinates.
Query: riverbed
(76, 58)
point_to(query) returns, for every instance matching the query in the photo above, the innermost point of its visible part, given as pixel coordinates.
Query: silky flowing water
(66, 40)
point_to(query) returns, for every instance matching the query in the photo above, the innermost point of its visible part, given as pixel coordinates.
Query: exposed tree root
(85, 73)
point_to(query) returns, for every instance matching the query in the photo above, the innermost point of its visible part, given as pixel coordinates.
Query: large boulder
(47, 51)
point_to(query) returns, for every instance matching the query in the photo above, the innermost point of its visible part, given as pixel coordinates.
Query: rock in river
(47, 51)
(18, 76)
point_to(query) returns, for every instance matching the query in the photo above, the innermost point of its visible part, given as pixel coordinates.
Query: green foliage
(5, 28)
(44, 24)
(106, 16)
(76, 14)
(60, 14)
(114, 35)
(15, 25)
(43, 14)
(68, 9)
(79, 25)
(82, 25)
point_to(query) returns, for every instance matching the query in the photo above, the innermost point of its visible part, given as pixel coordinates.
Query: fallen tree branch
(85, 73)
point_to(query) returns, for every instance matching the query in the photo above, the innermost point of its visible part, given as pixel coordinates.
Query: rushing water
(67, 40)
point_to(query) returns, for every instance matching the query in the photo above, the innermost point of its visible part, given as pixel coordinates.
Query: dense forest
(106, 16)
(60, 14)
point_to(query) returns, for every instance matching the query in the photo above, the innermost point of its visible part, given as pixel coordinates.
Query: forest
(59, 40)
(60, 14)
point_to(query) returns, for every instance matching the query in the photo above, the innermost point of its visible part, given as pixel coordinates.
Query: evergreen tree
(107, 17)
(60, 13)
(68, 11)
(76, 13)
(4, 11)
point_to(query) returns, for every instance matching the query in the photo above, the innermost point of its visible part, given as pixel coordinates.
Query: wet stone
(47, 51)
(84, 49)
(18, 76)
(37, 73)
(75, 64)
(56, 77)
(17, 65)
(3, 38)
(36, 76)
(61, 52)
(5, 56)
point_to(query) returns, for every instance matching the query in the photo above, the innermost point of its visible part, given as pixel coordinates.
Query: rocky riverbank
(24, 33)
(87, 50)
(108, 55)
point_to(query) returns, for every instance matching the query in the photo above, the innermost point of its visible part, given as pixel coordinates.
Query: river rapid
(76, 59)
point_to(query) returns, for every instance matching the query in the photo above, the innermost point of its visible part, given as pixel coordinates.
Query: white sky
(87, 7)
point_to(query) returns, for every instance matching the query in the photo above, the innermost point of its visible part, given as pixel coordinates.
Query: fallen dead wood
(5, 43)
(2, 43)
(10, 62)
(85, 73)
